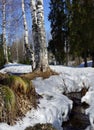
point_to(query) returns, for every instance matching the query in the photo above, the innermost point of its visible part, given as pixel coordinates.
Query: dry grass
(83, 91)
(3, 77)
(25, 98)
(36, 74)
(18, 95)
(7, 104)
(41, 127)
(18, 84)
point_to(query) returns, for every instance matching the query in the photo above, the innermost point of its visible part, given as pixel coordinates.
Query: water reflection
(77, 119)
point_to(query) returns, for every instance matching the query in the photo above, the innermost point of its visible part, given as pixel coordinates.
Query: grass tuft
(17, 96)
(18, 84)
(41, 127)
(7, 105)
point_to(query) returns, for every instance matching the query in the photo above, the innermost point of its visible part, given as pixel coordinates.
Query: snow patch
(54, 107)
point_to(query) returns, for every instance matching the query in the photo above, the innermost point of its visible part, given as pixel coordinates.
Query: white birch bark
(42, 36)
(39, 36)
(35, 33)
(4, 31)
(29, 52)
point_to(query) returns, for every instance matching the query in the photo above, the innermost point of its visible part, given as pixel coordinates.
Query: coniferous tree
(90, 26)
(74, 26)
(57, 17)
(81, 27)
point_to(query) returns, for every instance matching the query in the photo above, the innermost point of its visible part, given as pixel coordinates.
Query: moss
(17, 96)
(9, 97)
(25, 93)
(8, 103)
(41, 127)
(18, 84)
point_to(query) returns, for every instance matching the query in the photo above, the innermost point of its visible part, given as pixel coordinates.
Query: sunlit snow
(54, 107)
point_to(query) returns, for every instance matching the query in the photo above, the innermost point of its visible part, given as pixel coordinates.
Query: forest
(42, 85)
(72, 29)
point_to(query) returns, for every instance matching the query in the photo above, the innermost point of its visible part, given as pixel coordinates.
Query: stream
(77, 118)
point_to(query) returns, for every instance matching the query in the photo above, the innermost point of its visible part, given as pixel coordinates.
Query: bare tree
(34, 32)
(4, 30)
(29, 52)
(42, 36)
(39, 35)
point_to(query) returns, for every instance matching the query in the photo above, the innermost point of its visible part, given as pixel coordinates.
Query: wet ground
(77, 119)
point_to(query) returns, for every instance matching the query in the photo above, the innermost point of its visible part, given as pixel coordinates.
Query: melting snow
(54, 107)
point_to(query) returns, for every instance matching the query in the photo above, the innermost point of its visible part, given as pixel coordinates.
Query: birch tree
(4, 30)
(29, 52)
(35, 32)
(39, 35)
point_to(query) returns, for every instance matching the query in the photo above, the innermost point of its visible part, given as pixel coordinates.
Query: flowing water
(77, 118)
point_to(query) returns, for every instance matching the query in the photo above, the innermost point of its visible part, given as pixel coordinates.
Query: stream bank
(77, 118)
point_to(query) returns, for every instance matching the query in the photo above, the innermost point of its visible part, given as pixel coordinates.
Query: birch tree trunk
(4, 31)
(29, 52)
(42, 36)
(35, 33)
(39, 35)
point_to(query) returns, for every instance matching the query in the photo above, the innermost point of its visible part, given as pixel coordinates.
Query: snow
(16, 68)
(89, 64)
(89, 99)
(54, 107)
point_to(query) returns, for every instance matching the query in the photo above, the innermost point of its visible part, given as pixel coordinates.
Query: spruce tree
(81, 27)
(57, 17)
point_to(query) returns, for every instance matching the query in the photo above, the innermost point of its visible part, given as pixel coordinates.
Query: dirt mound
(17, 96)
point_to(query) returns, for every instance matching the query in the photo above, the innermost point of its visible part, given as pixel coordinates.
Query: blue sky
(46, 12)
